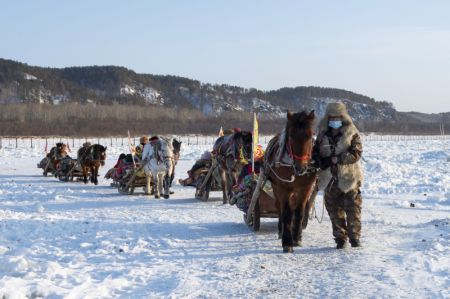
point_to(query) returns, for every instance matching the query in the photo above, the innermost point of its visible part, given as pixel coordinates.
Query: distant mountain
(21, 83)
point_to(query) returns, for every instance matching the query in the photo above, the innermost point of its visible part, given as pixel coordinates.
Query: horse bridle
(293, 156)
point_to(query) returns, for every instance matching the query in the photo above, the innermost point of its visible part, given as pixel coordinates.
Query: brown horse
(287, 166)
(90, 158)
(229, 151)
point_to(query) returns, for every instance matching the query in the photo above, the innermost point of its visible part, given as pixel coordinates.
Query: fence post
(16, 142)
(0, 142)
(31, 141)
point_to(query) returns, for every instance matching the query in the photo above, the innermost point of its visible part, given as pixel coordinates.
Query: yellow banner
(255, 132)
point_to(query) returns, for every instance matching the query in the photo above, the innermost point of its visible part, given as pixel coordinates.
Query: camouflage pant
(344, 210)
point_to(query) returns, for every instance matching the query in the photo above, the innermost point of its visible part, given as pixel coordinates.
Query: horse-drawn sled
(51, 162)
(204, 175)
(154, 170)
(207, 179)
(69, 169)
(131, 176)
(256, 201)
(61, 165)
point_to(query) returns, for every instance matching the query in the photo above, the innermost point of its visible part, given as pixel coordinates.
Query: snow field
(84, 241)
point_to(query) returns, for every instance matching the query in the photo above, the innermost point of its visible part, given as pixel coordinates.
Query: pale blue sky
(398, 51)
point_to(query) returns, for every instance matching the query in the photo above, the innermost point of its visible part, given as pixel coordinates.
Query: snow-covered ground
(84, 241)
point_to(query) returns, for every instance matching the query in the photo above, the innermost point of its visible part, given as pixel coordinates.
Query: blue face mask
(335, 124)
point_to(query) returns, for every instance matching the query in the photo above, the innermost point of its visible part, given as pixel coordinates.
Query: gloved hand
(334, 160)
(325, 163)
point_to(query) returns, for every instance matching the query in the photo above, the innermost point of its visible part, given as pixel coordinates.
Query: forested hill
(21, 83)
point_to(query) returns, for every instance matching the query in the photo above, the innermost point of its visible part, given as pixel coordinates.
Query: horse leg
(166, 186)
(96, 174)
(161, 184)
(286, 239)
(230, 184)
(148, 179)
(231, 179)
(84, 174)
(280, 226)
(224, 183)
(156, 184)
(92, 171)
(297, 226)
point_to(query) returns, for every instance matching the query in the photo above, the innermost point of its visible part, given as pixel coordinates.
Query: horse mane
(244, 135)
(301, 119)
(282, 137)
(98, 147)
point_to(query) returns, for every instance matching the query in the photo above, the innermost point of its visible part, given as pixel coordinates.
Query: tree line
(111, 120)
(72, 119)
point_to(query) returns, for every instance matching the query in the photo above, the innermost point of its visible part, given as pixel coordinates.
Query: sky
(396, 51)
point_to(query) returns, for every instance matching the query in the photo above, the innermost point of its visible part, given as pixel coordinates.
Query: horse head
(99, 153)
(176, 148)
(299, 133)
(243, 140)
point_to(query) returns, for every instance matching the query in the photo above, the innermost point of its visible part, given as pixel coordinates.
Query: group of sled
(150, 164)
(280, 182)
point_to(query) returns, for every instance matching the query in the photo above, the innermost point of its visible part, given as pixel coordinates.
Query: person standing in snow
(337, 151)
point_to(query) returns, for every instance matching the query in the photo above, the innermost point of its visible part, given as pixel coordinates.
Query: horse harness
(233, 149)
(285, 157)
(88, 155)
(158, 155)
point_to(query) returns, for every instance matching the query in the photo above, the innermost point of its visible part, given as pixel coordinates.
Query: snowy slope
(84, 241)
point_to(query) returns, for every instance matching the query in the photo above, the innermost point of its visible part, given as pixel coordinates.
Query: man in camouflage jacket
(337, 151)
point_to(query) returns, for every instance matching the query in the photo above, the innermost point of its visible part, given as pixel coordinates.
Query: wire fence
(42, 142)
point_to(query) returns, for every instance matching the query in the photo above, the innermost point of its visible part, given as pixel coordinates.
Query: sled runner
(207, 180)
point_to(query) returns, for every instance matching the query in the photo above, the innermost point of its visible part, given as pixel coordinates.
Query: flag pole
(131, 149)
(254, 142)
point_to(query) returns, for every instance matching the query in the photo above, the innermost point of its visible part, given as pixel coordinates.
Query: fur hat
(143, 139)
(335, 109)
(86, 144)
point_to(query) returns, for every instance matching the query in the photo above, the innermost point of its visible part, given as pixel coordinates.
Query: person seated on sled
(204, 161)
(247, 169)
(65, 151)
(112, 173)
(137, 150)
(245, 180)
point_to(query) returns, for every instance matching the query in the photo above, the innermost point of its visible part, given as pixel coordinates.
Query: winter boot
(355, 243)
(340, 243)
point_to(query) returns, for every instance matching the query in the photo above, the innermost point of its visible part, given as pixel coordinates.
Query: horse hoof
(166, 196)
(297, 243)
(96, 183)
(288, 249)
(157, 196)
